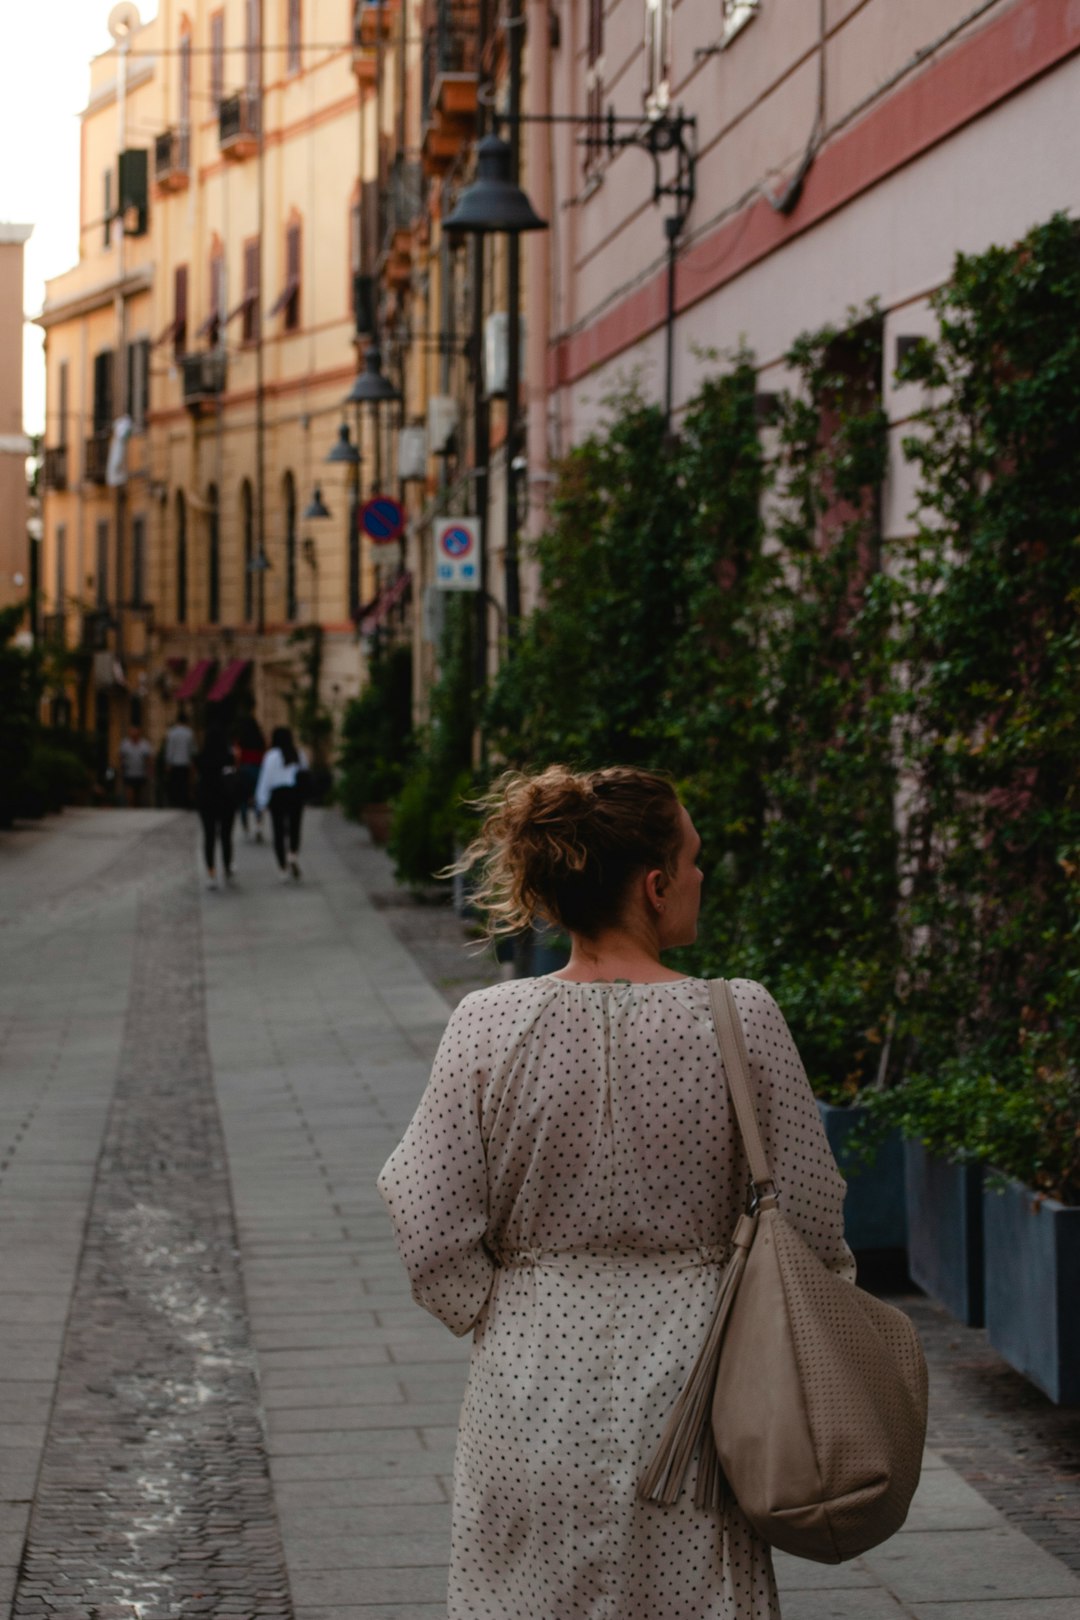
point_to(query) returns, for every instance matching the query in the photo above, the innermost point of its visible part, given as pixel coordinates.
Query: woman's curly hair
(564, 845)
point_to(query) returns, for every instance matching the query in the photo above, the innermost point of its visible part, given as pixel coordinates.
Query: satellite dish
(124, 19)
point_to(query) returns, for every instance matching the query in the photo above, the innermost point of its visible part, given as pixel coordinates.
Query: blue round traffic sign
(383, 519)
(456, 542)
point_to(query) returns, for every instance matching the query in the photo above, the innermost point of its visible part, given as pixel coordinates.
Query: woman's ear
(655, 883)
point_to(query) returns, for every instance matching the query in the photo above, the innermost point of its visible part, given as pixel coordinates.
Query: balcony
(56, 467)
(96, 456)
(450, 78)
(238, 125)
(372, 26)
(54, 629)
(172, 160)
(403, 205)
(204, 379)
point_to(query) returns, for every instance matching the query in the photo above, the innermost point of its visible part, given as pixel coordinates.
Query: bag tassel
(691, 1416)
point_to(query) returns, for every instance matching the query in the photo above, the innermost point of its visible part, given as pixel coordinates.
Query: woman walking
(281, 783)
(216, 800)
(567, 1191)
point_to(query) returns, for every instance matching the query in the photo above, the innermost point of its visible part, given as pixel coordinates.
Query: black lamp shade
(371, 387)
(493, 203)
(344, 450)
(316, 507)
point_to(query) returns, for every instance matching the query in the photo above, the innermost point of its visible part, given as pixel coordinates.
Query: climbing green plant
(991, 652)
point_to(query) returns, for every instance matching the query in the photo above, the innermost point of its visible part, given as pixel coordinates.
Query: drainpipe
(538, 265)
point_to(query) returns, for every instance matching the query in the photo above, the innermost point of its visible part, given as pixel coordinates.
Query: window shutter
(293, 60)
(251, 291)
(217, 59)
(292, 277)
(107, 205)
(103, 391)
(180, 282)
(62, 403)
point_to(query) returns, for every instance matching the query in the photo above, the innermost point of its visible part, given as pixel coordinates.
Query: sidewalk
(320, 1026)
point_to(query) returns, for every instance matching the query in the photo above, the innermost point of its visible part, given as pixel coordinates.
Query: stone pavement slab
(321, 1019)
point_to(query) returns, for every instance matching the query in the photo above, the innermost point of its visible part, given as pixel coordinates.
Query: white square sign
(457, 554)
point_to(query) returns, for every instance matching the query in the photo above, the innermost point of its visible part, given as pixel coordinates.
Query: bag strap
(729, 1032)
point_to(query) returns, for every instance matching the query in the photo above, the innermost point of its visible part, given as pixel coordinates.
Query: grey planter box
(875, 1209)
(945, 1231)
(1033, 1288)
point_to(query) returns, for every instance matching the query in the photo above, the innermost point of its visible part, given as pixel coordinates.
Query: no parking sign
(457, 554)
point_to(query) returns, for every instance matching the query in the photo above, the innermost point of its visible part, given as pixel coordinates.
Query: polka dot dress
(567, 1191)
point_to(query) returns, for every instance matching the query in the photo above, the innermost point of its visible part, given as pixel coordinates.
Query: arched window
(291, 607)
(213, 558)
(181, 558)
(247, 519)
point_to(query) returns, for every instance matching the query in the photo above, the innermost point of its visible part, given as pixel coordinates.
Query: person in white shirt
(281, 786)
(179, 754)
(135, 757)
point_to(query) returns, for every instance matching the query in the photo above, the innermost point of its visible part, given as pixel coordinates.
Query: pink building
(845, 149)
(15, 583)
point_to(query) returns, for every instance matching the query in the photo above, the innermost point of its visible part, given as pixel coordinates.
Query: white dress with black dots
(567, 1191)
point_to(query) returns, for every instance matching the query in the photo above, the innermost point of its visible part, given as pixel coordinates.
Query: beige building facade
(16, 567)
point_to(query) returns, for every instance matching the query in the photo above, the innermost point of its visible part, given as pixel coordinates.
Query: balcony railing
(172, 159)
(96, 456)
(238, 124)
(449, 80)
(204, 378)
(56, 467)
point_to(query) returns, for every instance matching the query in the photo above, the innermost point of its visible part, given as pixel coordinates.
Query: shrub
(376, 735)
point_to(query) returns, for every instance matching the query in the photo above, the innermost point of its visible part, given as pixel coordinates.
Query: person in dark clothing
(250, 748)
(217, 801)
(282, 784)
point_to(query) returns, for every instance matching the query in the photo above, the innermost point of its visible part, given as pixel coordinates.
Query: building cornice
(84, 303)
(14, 235)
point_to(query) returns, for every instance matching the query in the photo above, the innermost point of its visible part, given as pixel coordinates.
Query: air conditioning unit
(497, 353)
(442, 423)
(412, 453)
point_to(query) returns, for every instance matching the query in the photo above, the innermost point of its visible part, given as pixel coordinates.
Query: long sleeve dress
(567, 1191)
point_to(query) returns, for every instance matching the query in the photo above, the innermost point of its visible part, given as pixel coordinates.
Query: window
(291, 605)
(213, 555)
(252, 275)
(181, 558)
(62, 404)
(60, 586)
(247, 518)
(288, 300)
(594, 86)
(737, 13)
(252, 42)
(138, 381)
(185, 98)
(657, 56)
(292, 59)
(108, 206)
(103, 391)
(102, 570)
(217, 59)
(138, 561)
(179, 331)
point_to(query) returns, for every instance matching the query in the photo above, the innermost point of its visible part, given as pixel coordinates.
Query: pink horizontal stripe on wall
(1001, 59)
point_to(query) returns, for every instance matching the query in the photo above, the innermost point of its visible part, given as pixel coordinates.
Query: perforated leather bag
(808, 1396)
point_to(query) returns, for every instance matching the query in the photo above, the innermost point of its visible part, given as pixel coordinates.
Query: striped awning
(228, 678)
(195, 679)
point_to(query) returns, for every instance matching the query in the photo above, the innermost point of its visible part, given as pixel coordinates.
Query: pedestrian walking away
(250, 748)
(179, 757)
(135, 757)
(282, 788)
(218, 782)
(567, 1193)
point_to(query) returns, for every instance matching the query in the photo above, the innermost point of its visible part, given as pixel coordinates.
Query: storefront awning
(384, 604)
(228, 678)
(195, 679)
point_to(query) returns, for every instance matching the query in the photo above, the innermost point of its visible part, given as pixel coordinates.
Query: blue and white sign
(457, 554)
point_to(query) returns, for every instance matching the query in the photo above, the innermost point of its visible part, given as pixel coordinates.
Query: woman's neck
(615, 954)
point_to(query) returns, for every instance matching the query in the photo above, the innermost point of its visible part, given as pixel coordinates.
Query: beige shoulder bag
(808, 1396)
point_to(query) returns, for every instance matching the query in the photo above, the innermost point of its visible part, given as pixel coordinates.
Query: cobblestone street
(216, 1397)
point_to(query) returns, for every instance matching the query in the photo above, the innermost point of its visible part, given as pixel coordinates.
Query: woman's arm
(435, 1187)
(263, 785)
(810, 1187)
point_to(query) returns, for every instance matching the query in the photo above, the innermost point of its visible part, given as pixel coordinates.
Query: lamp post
(372, 388)
(344, 453)
(496, 205)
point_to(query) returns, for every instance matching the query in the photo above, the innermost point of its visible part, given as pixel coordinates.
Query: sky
(45, 51)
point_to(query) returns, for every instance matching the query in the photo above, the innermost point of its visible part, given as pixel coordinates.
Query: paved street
(216, 1397)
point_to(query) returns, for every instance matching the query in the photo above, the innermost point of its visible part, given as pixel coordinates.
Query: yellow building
(299, 157)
